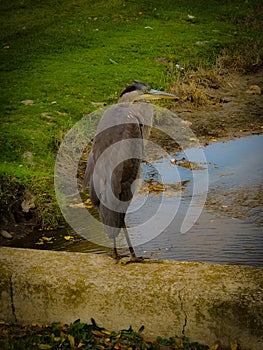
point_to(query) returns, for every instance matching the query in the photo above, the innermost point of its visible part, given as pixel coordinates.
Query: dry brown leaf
(80, 345)
(234, 346)
(98, 333)
(216, 346)
(71, 340)
(68, 238)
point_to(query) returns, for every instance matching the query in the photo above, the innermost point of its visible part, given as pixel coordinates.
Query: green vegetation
(64, 55)
(85, 336)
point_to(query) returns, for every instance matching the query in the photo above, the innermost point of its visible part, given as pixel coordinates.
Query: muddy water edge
(232, 110)
(229, 230)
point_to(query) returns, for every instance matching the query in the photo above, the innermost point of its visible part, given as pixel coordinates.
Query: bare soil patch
(222, 106)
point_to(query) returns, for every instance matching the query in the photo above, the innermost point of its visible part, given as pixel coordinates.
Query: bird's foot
(124, 258)
(117, 257)
(135, 259)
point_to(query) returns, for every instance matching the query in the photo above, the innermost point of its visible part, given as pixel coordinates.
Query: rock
(28, 202)
(46, 115)
(98, 104)
(200, 42)
(27, 102)
(254, 90)
(28, 156)
(186, 122)
(6, 234)
(161, 59)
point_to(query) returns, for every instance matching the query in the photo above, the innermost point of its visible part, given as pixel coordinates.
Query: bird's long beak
(156, 95)
(161, 94)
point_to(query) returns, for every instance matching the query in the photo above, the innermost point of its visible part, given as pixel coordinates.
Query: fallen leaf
(254, 90)
(71, 340)
(77, 205)
(44, 238)
(98, 333)
(6, 234)
(27, 102)
(68, 238)
(190, 165)
(216, 346)
(108, 343)
(227, 174)
(171, 194)
(44, 346)
(234, 346)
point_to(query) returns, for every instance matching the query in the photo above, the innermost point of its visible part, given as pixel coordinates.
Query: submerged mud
(244, 203)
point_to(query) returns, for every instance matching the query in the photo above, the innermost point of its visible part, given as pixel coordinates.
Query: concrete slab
(202, 301)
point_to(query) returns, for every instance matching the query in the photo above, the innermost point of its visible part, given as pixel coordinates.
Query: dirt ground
(231, 106)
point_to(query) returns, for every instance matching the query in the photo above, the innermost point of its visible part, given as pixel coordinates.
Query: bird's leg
(134, 258)
(115, 252)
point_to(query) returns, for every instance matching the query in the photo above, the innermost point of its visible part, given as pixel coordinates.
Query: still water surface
(215, 237)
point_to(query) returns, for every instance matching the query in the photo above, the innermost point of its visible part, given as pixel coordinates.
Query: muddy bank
(222, 106)
(18, 210)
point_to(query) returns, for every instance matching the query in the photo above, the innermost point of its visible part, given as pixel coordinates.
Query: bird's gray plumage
(121, 122)
(115, 157)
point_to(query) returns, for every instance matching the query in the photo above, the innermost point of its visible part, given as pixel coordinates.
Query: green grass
(60, 55)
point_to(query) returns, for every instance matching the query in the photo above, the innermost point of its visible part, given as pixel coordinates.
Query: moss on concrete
(205, 302)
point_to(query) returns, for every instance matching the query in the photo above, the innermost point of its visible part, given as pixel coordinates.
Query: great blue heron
(115, 157)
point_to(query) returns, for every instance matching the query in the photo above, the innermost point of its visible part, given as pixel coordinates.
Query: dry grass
(241, 59)
(193, 87)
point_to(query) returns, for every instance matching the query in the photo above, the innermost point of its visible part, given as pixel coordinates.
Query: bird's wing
(117, 154)
(116, 142)
(114, 164)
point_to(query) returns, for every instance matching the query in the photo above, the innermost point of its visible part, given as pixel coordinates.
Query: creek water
(230, 227)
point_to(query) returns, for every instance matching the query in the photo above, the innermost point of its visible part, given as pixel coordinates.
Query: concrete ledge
(205, 302)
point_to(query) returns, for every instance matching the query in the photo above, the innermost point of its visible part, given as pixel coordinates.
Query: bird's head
(138, 91)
